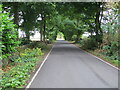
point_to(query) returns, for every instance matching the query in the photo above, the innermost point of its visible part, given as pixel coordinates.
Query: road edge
(39, 69)
(98, 58)
(101, 60)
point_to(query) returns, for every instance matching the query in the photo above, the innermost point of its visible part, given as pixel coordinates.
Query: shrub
(41, 45)
(25, 41)
(17, 76)
(8, 36)
(27, 55)
(89, 43)
(111, 50)
(9, 33)
(74, 37)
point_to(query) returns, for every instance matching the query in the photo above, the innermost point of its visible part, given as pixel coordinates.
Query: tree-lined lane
(69, 67)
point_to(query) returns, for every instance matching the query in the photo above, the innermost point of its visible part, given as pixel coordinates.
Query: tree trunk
(78, 37)
(44, 27)
(97, 25)
(78, 32)
(41, 31)
(41, 34)
(15, 8)
(27, 34)
(16, 16)
(98, 30)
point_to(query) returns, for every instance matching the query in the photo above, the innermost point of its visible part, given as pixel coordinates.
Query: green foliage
(41, 45)
(24, 41)
(17, 76)
(27, 55)
(74, 37)
(52, 36)
(111, 51)
(88, 43)
(109, 26)
(30, 16)
(60, 36)
(8, 36)
(110, 46)
(9, 33)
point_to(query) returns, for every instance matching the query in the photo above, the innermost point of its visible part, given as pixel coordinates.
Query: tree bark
(16, 16)
(98, 30)
(41, 29)
(27, 34)
(78, 32)
(15, 11)
(44, 27)
(41, 33)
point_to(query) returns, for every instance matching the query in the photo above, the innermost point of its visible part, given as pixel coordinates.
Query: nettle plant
(8, 37)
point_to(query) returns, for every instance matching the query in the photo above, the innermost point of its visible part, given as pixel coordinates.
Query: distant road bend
(67, 66)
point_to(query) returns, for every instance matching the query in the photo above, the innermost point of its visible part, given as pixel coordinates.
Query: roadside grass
(99, 54)
(105, 58)
(18, 73)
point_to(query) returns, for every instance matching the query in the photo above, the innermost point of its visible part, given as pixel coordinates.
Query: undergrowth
(23, 63)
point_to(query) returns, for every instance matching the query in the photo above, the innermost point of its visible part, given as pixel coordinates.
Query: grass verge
(97, 53)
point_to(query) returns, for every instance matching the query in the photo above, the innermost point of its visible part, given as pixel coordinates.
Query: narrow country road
(69, 67)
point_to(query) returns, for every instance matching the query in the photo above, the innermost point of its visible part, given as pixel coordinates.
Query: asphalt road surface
(67, 66)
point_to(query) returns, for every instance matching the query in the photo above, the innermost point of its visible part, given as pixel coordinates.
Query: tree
(29, 16)
(8, 36)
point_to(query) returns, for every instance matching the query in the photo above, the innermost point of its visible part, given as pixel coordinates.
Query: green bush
(8, 37)
(89, 43)
(74, 37)
(41, 45)
(24, 41)
(27, 55)
(17, 76)
(8, 33)
(111, 50)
